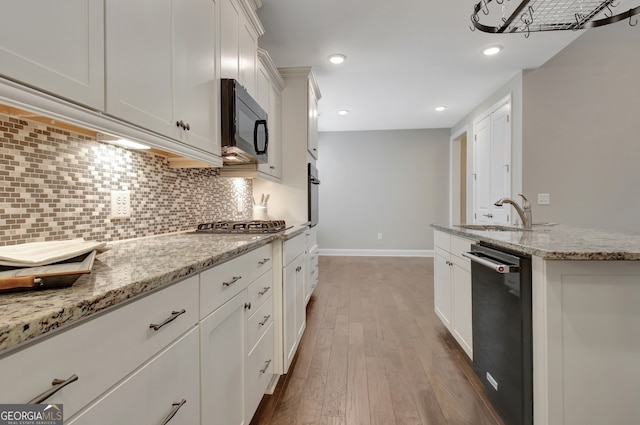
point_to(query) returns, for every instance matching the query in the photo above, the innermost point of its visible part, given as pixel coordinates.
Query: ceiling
(404, 58)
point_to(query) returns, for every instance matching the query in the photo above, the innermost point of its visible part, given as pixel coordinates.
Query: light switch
(544, 199)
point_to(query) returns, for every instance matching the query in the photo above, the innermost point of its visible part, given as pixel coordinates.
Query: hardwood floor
(375, 353)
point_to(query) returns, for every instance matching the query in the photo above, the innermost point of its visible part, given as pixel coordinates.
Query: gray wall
(581, 132)
(391, 182)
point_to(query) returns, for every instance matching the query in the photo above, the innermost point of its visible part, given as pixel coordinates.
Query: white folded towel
(43, 253)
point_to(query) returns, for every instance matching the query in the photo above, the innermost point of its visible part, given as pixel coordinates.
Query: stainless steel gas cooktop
(248, 226)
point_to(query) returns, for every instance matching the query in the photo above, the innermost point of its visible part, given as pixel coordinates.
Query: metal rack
(507, 16)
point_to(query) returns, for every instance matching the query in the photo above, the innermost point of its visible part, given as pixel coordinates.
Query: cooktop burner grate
(248, 226)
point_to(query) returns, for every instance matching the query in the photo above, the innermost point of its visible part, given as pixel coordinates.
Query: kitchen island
(586, 320)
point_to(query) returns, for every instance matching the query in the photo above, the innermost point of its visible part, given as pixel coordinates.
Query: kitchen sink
(492, 228)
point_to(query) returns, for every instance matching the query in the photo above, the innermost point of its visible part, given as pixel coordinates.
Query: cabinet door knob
(58, 384)
(247, 306)
(176, 406)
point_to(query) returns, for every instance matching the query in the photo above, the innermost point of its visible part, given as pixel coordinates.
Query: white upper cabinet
(269, 89)
(312, 126)
(239, 32)
(161, 68)
(56, 49)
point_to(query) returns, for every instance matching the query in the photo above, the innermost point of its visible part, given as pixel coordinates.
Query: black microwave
(245, 136)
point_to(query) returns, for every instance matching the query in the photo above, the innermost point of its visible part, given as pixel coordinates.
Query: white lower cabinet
(259, 371)
(222, 358)
(236, 337)
(294, 313)
(311, 263)
(164, 390)
(452, 287)
(102, 351)
(137, 363)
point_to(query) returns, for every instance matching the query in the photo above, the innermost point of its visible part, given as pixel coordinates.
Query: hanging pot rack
(547, 15)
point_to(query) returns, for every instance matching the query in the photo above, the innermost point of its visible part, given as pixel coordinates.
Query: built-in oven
(313, 186)
(502, 330)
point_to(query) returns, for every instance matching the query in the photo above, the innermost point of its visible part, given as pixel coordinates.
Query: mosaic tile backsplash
(56, 184)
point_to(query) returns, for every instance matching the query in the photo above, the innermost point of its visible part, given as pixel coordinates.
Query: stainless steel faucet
(524, 212)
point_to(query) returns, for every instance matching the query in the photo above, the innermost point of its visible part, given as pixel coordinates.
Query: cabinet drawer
(147, 397)
(258, 373)
(442, 240)
(294, 247)
(221, 283)
(101, 351)
(258, 322)
(312, 238)
(259, 261)
(460, 245)
(260, 290)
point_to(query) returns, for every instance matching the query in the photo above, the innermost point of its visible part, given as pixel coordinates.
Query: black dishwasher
(501, 313)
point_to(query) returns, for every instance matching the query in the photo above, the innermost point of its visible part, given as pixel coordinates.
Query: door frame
(454, 173)
(508, 99)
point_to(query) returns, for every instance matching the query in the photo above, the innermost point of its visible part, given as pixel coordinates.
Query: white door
(442, 286)
(482, 171)
(222, 359)
(492, 164)
(196, 85)
(290, 341)
(140, 70)
(501, 162)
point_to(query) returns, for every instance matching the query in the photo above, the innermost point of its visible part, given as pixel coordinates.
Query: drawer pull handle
(58, 384)
(174, 316)
(264, 291)
(264, 322)
(264, 261)
(233, 280)
(266, 366)
(176, 406)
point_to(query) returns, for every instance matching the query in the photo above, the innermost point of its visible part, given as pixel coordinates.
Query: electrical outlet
(379, 236)
(120, 204)
(544, 199)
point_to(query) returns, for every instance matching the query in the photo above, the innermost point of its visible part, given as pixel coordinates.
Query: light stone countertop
(131, 268)
(559, 242)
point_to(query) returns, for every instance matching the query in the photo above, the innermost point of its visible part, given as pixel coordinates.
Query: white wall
(582, 131)
(392, 182)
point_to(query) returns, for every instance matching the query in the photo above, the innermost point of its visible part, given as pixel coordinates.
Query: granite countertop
(559, 242)
(129, 269)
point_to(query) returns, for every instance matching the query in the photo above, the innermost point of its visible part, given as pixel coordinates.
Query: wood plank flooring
(375, 353)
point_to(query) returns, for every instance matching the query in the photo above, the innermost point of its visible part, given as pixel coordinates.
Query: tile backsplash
(56, 184)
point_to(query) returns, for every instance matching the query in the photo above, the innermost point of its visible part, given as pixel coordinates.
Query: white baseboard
(376, 252)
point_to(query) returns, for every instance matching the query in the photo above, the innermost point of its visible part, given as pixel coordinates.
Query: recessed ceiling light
(337, 59)
(493, 50)
(343, 112)
(440, 108)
